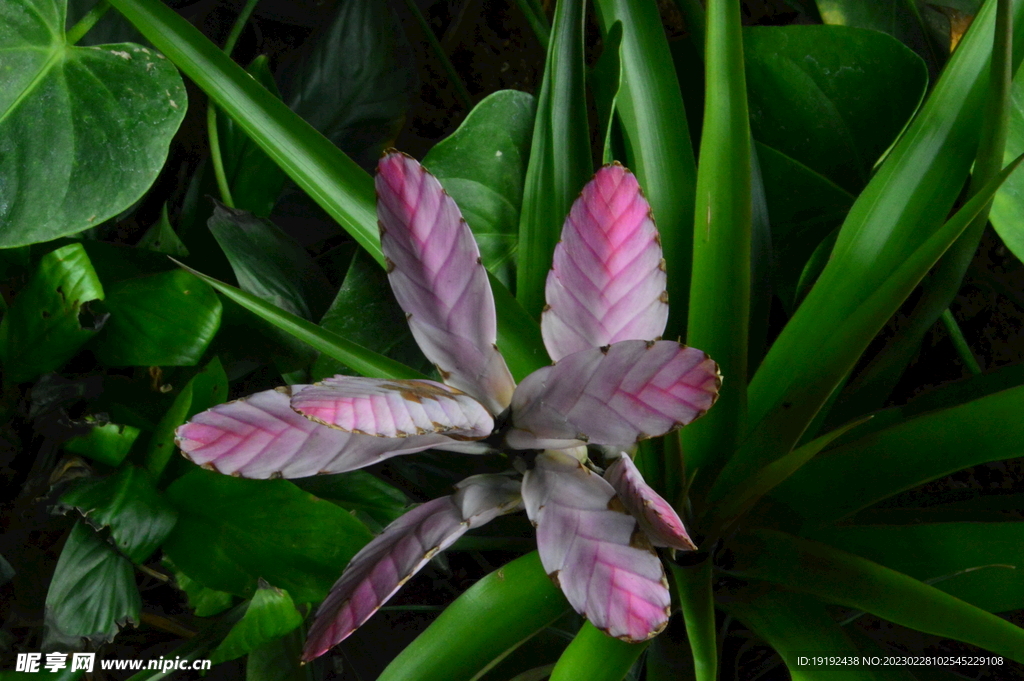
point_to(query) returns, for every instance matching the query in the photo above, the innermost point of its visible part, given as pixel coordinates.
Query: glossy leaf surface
(270, 615)
(607, 279)
(52, 317)
(129, 503)
(93, 592)
(359, 491)
(230, 532)
(616, 395)
(482, 165)
(107, 443)
(594, 655)
(102, 117)
(439, 280)
(498, 613)
(843, 578)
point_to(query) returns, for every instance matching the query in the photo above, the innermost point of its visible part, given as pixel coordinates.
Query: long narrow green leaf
(843, 578)
(851, 477)
(596, 656)
(901, 207)
(981, 563)
(693, 583)
(719, 314)
(650, 107)
(871, 388)
(332, 179)
(356, 357)
(486, 623)
(560, 162)
(796, 625)
(810, 383)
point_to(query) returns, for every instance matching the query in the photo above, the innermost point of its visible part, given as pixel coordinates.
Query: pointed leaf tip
(607, 280)
(439, 280)
(656, 516)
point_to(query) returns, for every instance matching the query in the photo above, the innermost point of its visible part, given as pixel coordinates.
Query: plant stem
(84, 24)
(538, 22)
(453, 76)
(960, 343)
(211, 111)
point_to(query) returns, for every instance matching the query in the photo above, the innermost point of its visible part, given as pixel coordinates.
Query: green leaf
(199, 645)
(843, 578)
(108, 443)
(357, 358)
(271, 614)
(490, 620)
(804, 208)
(204, 601)
(127, 502)
(1008, 203)
(330, 177)
(208, 388)
(980, 563)
(896, 215)
(162, 238)
(795, 625)
(831, 97)
(595, 655)
(605, 81)
(101, 117)
(693, 583)
(354, 80)
(650, 108)
(165, 319)
(719, 312)
(560, 161)
(270, 264)
(92, 594)
(366, 313)
(51, 317)
(853, 476)
(232, 531)
(255, 180)
(278, 660)
(359, 491)
(482, 166)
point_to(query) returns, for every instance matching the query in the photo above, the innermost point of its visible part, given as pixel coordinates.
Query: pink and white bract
(613, 383)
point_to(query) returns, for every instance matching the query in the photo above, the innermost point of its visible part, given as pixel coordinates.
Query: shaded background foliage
(98, 402)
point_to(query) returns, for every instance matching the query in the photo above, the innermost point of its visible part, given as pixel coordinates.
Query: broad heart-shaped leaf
(354, 80)
(439, 280)
(231, 532)
(92, 594)
(51, 317)
(592, 548)
(843, 578)
(392, 409)
(129, 503)
(615, 395)
(656, 517)
(498, 614)
(107, 443)
(482, 165)
(269, 263)
(981, 563)
(607, 279)
(101, 117)
(165, 319)
(365, 312)
(255, 180)
(405, 546)
(270, 615)
(831, 97)
(261, 436)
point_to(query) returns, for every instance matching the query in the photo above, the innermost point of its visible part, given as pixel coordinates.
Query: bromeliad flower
(612, 383)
